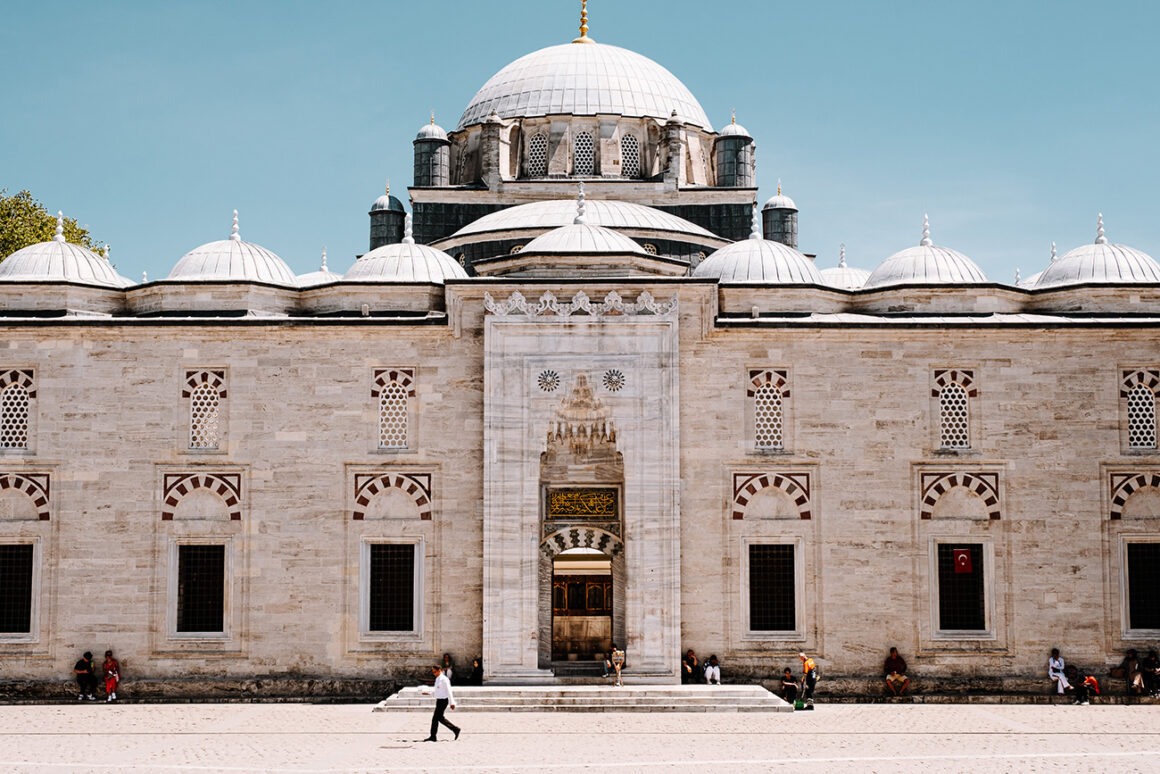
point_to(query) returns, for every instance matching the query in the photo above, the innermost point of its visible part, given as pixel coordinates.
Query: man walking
(809, 680)
(443, 699)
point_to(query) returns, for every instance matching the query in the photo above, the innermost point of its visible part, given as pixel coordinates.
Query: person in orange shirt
(809, 680)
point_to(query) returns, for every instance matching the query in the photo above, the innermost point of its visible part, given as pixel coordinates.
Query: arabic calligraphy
(583, 504)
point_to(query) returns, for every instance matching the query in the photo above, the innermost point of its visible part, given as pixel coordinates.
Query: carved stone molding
(580, 305)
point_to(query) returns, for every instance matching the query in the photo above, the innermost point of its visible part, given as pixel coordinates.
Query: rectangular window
(962, 604)
(201, 574)
(772, 588)
(392, 587)
(1143, 585)
(16, 589)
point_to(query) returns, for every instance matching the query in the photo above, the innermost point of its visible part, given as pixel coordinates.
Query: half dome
(584, 79)
(582, 238)
(232, 260)
(598, 212)
(926, 264)
(1101, 262)
(60, 261)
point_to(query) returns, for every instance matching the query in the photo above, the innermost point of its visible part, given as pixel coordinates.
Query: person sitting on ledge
(712, 671)
(895, 671)
(1150, 667)
(1130, 670)
(691, 669)
(1055, 671)
(789, 686)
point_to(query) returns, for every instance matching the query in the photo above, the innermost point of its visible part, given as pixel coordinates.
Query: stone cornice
(580, 305)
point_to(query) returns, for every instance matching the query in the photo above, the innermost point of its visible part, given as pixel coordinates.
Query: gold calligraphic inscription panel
(583, 504)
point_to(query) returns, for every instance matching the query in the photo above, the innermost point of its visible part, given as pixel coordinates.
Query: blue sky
(1011, 123)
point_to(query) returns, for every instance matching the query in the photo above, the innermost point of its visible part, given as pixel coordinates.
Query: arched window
(584, 155)
(650, 248)
(767, 417)
(629, 156)
(538, 155)
(14, 417)
(393, 417)
(204, 416)
(1141, 417)
(953, 418)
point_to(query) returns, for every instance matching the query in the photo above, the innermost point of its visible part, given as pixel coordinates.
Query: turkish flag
(963, 560)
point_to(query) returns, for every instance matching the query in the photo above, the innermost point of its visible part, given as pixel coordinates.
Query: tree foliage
(25, 221)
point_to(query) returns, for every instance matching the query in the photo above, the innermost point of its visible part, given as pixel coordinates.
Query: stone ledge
(254, 689)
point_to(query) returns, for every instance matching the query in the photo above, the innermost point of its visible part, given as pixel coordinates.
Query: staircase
(594, 698)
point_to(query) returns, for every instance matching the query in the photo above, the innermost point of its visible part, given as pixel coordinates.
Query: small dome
(323, 276)
(1101, 262)
(761, 261)
(405, 262)
(581, 237)
(60, 261)
(431, 131)
(926, 264)
(233, 260)
(387, 202)
(844, 277)
(780, 201)
(734, 129)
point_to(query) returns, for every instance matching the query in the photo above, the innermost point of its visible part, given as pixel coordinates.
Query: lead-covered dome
(844, 277)
(927, 264)
(1100, 262)
(584, 79)
(405, 262)
(60, 261)
(324, 276)
(232, 260)
(582, 237)
(759, 260)
(387, 202)
(609, 213)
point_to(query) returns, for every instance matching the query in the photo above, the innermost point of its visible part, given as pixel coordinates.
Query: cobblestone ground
(351, 738)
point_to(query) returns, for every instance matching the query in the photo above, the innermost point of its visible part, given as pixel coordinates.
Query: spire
(583, 24)
(580, 217)
(323, 266)
(1017, 277)
(59, 227)
(432, 118)
(779, 186)
(1054, 257)
(144, 277)
(234, 231)
(925, 232)
(1100, 238)
(407, 238)
(756, 232)
(388, 191)
(733, 116)
(842, 256)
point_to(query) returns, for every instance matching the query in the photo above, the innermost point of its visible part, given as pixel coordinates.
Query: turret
(779, 219)
(432, 156)
(735, 157)
(674, 152)
(489, 150)
(387, 215)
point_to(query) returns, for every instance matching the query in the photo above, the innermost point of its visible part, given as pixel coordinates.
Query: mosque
(584, 392)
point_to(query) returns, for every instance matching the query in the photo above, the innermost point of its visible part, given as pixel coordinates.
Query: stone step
(594, 698)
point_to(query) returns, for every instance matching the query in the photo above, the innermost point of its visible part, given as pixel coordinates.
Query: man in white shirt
(443, 699)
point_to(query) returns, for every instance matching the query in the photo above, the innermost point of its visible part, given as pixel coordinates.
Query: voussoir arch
(566, 538)
(416, 486)
(227, 486)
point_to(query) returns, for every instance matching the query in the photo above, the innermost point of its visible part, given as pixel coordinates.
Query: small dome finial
(432, 118)
(733, 116)
(842, 256)
(1017, 277)
(388, 191)
(1100, 238)
(755, 233)
(1054, 257)
(779, 186)
(408, 239)
(925, 232)
(580, 217)
(144, 277)
(234, 231)
(59, 227)
(583, 24)
(323, 267)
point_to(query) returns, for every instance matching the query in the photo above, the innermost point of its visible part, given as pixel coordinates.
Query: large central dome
(584, 79)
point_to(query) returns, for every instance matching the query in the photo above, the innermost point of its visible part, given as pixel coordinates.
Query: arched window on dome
(538, 155)
(629, 156)
(584, 155)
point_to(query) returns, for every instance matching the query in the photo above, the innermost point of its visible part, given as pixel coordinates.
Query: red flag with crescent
(963, 560)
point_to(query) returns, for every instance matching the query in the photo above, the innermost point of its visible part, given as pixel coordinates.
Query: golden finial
(733, 116)
(779, 186)
(388, 191)
(432, 118)
(583, 24)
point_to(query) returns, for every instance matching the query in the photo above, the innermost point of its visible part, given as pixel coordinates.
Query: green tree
(25, 221)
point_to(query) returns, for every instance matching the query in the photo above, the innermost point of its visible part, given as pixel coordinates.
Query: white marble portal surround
(571, 337)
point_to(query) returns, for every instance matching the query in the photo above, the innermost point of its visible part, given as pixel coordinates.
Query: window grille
(204, 416)
(772, 588)
(14, 417)
(393, 417)
(515, 249)
(538, 155)
(952, 403)
(392, 591)
(1143, 585)
(629, 156)
(583, 155)
(16, 589)
(767, 417)
(1141, 417)
(201, 574)
(961, 601)
(650, 248)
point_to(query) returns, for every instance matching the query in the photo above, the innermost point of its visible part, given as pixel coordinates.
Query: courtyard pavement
(165, 738)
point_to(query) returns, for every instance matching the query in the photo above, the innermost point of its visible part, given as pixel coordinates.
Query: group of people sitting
(1142, 676)
(85, 671)
(475, 677)
(694, 670)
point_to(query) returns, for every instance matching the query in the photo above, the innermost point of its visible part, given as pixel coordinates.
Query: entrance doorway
(582, 605)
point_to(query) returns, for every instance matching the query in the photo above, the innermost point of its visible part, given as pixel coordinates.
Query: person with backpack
(809, 680)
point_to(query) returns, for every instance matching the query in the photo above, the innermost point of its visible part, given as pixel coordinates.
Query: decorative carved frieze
(580, 305)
